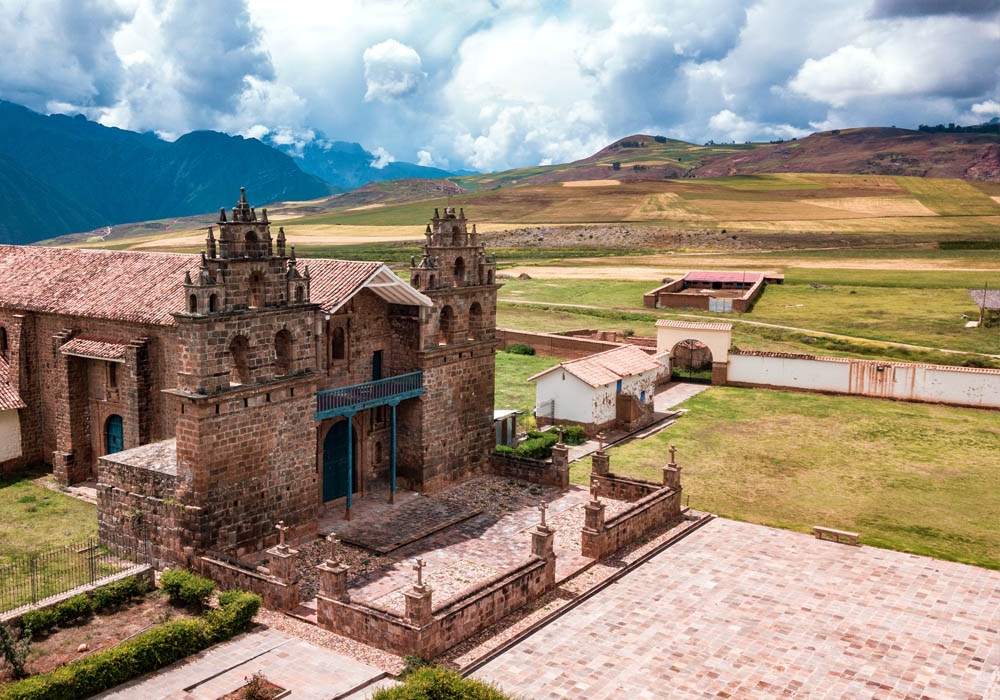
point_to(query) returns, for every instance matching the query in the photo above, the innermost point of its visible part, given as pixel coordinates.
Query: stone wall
(600, 538)
(561, 346)
(451, 623)
(621, 488)
(276, 594)
(535, 471)
(67, 397)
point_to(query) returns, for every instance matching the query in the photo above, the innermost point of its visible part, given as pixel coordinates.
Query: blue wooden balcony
(348, 400)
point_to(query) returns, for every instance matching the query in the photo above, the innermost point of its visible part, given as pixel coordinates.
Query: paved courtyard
(744, 611)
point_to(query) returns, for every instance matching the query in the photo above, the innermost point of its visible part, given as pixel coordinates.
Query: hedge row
(146, 652)
(84, 605)
(184, 587)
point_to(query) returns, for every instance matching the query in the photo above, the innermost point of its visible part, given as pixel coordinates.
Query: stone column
(281, 564)
(418, 605)
(720, 371)
(672, 477)
(560, 463)
(594, 516)
(600, 463)
(333, 580)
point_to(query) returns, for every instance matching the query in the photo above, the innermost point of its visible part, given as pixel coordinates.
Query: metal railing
(357, 397)
(32, 579)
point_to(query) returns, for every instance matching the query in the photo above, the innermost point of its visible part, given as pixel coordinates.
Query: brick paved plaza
(744, 611)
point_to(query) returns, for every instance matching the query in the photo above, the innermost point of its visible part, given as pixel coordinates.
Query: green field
(911, 477)
(36, 519)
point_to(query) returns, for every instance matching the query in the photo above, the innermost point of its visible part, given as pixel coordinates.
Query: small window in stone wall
(112, 375)
(239, 357)
(4, 349)
(378, 453)
(193, 304)
(282, 353)
(213, 302)
(256, 290)
(447, 326)
(300, 294)
(415, 281)
(339, 344)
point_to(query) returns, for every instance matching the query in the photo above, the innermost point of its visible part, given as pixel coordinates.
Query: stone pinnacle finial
(428, 229)
(243, 195)
(542, 507)
(187, 278)
(436, 214)
(673, 454)
(263, 216)
(419, 568)
(222, 215)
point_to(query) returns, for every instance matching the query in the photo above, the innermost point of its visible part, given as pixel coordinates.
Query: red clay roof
(694, 325)
(87, 346)
(133, 286)
(9, 399)
(608, 366)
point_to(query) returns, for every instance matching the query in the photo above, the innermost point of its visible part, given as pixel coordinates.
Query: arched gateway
(717, 337)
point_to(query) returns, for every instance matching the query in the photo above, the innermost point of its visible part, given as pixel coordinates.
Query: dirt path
(755, 323)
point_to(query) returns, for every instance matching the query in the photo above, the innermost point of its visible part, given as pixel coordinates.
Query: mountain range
(62, 174)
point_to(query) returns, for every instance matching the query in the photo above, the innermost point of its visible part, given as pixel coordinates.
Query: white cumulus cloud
(382, 158)
(392, 70)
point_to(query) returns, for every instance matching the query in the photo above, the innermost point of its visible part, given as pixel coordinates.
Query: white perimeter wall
(908, 382)
(10, 435)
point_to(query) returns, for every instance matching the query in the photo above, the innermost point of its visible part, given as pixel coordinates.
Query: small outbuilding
(613, 388)
(10, 406)
(711, 290)
(505, 425)
(988, 301)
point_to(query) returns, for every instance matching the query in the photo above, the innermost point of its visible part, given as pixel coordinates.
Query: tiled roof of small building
(608, 366)
(694, 326)
(87, 346)
(138, 287)
(9, 399)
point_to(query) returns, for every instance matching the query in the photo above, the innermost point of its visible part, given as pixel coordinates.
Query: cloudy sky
(493, 84)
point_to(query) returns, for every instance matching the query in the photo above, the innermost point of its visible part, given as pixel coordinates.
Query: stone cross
(600, 442)
(282, 529)
(560, 435)
(673, 452)
(419, 568)
(541, 509)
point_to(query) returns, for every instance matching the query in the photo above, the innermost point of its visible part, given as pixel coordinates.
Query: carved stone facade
(218, 394)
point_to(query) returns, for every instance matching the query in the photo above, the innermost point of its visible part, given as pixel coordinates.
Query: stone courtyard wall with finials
(544, 472)
(428, 630)
(652, 505)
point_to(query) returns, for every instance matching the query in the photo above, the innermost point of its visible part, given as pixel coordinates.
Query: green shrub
(520, 349)
(76, 608)
(184, 587)
(14, 648)
(538, 445)
(504, 450)
(411, 664)
(119, 592)
(146, 652)
(433, 683)
(574, 435)
(39, 620)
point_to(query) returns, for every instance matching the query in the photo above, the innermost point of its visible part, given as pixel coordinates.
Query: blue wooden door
(335, 462)
(114, 439)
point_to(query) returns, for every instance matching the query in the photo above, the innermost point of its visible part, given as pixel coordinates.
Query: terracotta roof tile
(9, 399)
(333, 281)
(87, 346)
(135, 286)
(112, 284)
(723, 276)
(608, 366)
(694, 326)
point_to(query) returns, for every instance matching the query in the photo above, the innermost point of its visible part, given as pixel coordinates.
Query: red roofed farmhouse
(216, 395)
(610, 388)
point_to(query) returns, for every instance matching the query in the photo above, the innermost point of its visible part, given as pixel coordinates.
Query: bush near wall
(538, 445)
(83, 605)
(187, 588)
(146, 652)
(433, 683)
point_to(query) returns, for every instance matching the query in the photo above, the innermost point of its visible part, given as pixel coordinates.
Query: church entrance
(335, 462)
(114, 438)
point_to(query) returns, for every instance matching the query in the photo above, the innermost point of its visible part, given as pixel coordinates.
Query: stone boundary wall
(276, 594)
(535, 471)
(452, 622)
(140, 571)
(561, 346)
(622, 488)
(630, 525)
(959, 386)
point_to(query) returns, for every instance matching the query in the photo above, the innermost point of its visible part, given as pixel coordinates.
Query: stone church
(214, 395)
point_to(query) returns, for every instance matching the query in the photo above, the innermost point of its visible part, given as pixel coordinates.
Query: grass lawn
(911, 477)
(36, 519)
(513, 391)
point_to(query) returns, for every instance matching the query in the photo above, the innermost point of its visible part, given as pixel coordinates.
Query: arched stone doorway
(335, 461)
(715, 337)
(114, 435)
